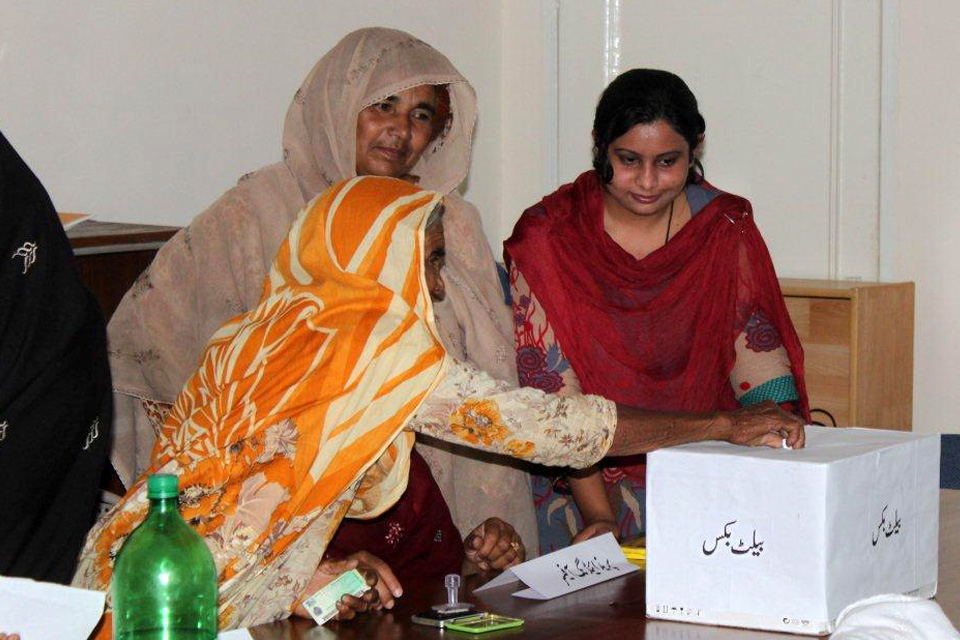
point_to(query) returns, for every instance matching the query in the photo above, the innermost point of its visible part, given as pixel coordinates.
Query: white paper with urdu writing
(45, 610)
(567, 570)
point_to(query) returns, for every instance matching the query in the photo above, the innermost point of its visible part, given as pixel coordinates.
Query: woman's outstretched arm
(471, 408)
(640, 431)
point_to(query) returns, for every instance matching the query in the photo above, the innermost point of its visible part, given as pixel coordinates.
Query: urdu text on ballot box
(784, 540)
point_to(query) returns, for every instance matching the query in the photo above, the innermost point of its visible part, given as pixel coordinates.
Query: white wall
(528, 129)
(147, 111)
(925, 224)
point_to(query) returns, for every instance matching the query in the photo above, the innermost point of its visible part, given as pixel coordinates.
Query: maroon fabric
(659, 332)
(416, 536)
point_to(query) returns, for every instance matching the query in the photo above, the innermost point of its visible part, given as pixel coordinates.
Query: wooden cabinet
(858, 342)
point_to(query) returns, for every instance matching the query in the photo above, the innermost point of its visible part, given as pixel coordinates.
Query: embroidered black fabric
(55, 401)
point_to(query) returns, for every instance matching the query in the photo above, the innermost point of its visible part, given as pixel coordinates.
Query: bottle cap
(162, 485)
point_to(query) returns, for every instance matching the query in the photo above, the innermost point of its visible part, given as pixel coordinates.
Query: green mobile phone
(482, 623)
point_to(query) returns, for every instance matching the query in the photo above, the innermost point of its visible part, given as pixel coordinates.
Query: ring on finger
(515, 546)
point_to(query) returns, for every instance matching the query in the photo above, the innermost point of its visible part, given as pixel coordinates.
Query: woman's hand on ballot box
(641, 431)
(765, 424)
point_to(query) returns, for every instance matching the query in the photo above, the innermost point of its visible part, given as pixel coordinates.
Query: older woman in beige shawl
(214, 269)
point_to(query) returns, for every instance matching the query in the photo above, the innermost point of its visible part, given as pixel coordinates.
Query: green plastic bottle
(164, 581)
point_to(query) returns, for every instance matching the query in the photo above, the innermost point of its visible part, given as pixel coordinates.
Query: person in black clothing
(55, 402)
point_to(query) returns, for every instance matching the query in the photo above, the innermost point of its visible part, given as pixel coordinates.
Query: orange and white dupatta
(295, 416)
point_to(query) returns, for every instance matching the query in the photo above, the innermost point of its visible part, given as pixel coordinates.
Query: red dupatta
(659, 332)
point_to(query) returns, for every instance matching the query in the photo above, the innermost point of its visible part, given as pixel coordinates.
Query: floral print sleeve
(762, 368)
(473, 408)
(540, 361)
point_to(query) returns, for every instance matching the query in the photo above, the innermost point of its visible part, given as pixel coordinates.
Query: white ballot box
(784, 540)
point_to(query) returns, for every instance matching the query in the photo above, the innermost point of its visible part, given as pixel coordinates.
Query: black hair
(643, 96)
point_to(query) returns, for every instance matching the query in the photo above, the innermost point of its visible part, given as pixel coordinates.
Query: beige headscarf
(214, 269)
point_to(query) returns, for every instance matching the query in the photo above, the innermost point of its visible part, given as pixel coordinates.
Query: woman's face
(393, 134)
(435, 256)
(650, 164)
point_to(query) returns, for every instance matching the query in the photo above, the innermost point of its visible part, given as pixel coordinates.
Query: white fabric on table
(894, 617)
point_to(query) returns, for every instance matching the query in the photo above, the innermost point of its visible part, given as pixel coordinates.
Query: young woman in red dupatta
(643, 283)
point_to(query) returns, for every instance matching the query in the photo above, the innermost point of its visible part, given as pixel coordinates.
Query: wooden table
(609, 611)
(110, 256)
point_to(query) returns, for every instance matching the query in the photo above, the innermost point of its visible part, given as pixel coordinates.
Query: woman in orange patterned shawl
(296, 415)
